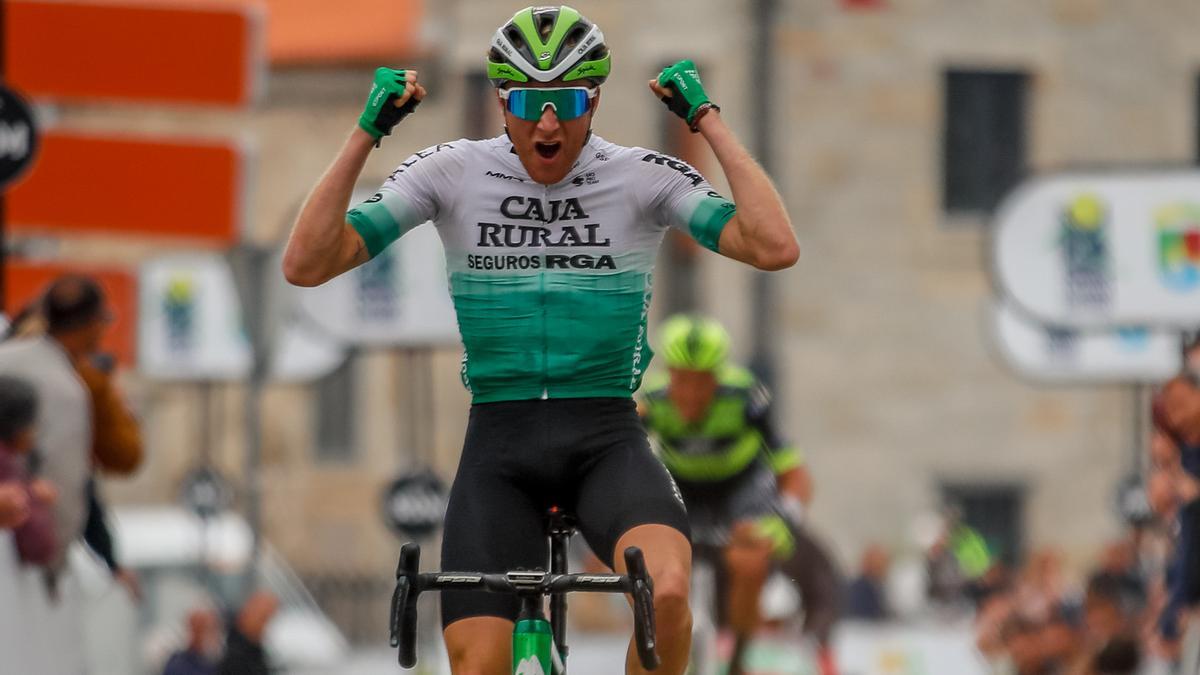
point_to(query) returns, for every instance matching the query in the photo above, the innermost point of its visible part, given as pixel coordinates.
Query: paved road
(590, 655)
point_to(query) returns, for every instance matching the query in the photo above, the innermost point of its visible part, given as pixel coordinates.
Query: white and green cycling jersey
(551, 284)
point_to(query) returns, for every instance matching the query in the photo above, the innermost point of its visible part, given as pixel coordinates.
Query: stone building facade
(885, 373)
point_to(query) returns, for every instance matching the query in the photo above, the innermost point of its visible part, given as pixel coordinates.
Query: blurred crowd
(1129, 614)
(63, 423)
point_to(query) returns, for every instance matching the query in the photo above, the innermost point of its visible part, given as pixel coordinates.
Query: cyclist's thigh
(623, 487)
(493, 524)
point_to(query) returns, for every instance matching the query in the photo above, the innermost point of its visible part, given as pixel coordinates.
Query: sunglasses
(568, 102)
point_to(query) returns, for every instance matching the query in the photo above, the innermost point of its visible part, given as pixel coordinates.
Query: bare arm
(796, 483)
(322, 244)
(760, 233)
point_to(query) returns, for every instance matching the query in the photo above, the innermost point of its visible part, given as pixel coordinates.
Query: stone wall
(886, 376)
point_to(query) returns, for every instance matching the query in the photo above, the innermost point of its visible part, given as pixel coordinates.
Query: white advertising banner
(191, 327)
(1065, 355)
(1102, 249)
(191, 320)
(401, 298)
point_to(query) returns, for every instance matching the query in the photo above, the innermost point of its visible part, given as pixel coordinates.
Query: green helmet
(693, 343)
(548, 43)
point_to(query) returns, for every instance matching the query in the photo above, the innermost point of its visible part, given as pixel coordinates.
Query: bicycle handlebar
(410, 584)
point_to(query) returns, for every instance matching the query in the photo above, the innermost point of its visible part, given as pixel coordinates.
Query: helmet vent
(545, 24)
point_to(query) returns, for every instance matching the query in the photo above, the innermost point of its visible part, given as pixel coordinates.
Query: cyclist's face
(549, 146)
(692, 392)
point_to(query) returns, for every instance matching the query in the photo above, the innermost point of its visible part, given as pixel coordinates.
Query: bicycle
(539, 645)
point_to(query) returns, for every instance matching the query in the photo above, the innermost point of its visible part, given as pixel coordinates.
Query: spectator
(116, 440)
(203, 650)
(865, 598)
(1177, 413)
(75, 316)
(958, 559)
(14, 504)
(244, 653)
(1121, 656)
(35, 540)
(1119, 571)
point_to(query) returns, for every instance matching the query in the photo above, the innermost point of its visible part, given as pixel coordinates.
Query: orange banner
(24, 282)
(129, 185)
(206, 53)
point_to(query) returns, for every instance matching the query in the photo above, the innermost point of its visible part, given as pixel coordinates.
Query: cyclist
(550, 235)
(746, 489)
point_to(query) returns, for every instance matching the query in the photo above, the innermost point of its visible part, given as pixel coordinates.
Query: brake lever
(404, 605)
(643, 608)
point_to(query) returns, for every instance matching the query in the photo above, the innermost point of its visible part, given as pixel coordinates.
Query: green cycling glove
(381, 113)
(688, 99)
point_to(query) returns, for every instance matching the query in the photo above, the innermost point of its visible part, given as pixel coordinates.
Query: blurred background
(949, 352)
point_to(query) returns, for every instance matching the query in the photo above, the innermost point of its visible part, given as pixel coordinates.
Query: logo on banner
(1061, 343)
(179, 312)
(1178, 228)
(1085, 252)
(1133, 340)
(378, 297)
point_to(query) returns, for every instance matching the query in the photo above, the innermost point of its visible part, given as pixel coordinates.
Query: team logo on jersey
(497, 174)
(418, 156)
(532, 208)
(588, 178)
(665, 160)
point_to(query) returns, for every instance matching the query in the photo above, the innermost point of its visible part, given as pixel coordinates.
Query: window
(995, 512)
(984, 138)
(335, 414)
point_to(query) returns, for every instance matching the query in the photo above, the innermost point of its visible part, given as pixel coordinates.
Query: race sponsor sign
(191, 327)
(1092, 250)
(1057, 354)
(400, 298)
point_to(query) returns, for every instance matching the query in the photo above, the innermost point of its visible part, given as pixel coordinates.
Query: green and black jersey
(736, 432)
(551, 284)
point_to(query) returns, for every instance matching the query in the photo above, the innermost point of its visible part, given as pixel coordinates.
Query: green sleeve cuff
(375, 235)
(709, 221)
(785, 459)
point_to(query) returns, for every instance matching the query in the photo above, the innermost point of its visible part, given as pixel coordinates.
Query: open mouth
(547, 150)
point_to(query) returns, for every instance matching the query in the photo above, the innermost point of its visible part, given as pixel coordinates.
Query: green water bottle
(532, 642)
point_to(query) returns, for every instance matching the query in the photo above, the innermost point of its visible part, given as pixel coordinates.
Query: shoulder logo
(601, 156)
(418, 156)
(683, 168)
(377, 197)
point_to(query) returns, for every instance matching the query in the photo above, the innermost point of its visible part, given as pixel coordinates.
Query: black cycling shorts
(588, 456)
(715, 507)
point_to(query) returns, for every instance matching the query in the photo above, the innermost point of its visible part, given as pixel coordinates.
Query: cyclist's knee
(479, 646)
(671, 600)
(466, 659)
(749, 564)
